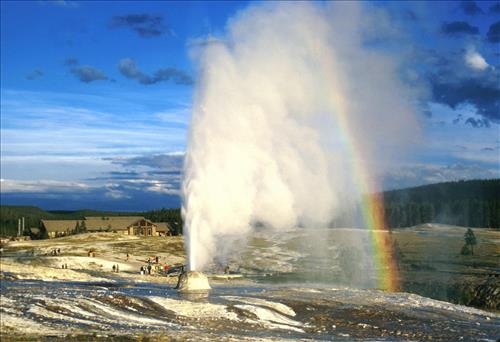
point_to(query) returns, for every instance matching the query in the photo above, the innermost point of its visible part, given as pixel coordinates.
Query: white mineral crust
(193, 281)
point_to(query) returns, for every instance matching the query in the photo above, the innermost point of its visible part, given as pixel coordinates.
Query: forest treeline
(474, 203)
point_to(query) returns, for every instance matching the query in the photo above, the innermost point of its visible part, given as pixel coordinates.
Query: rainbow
(384, 258)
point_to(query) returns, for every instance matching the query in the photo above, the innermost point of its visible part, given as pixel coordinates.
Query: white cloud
(172, 161)
(116, 194)
(163, 188)
(42, 139)
(118, 189)
(474, 60)
(11, 185)
(61, 3)
(421, 174)
(176, 117)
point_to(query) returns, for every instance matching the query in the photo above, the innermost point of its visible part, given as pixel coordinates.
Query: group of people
(55, 252)
(146, 269)
(154, 266)
(154, 259)
(64, 266)
(116, 268)
(149, 267)
(166, 269)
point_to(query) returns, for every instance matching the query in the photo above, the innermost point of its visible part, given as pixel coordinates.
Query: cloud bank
(129, 69)
(470, 8)
(145, 25)
(87, 74)
(493, 34)
(84, 73)
(34, 75)
(457, 28)
(422, 174)
(467, 79)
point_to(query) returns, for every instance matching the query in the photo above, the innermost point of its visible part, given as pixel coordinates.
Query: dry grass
(439, 249)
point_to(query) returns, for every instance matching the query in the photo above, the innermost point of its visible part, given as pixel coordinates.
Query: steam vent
(193, 281)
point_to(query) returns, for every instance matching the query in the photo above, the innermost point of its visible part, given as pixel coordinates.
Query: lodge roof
(163, 227)
(112, 218)
(59, 225)
(102, 223)
(96, 223)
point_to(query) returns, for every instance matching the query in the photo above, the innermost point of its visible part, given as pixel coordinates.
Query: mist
(289, 101)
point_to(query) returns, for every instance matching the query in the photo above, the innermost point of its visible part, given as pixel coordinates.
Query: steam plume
(266, 145)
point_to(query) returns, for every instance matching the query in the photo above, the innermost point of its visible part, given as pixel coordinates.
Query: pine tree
(470, 239)
(43, 232)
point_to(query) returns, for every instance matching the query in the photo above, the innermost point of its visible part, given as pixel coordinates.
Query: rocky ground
(34, 259)
(289, 290)
(34, 310)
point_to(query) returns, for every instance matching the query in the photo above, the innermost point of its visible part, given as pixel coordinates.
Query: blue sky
(96, 96)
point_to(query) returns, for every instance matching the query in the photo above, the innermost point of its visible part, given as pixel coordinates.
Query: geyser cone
(193, 281)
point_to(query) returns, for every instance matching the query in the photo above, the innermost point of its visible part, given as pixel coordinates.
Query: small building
(57, 228)
(163, 228)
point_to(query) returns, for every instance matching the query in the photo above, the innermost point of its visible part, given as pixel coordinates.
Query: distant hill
(9, 215)
(474, 203)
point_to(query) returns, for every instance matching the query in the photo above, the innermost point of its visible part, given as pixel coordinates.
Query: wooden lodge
(127, 225)
(57, 228)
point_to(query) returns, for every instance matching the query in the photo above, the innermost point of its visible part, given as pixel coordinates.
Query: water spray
(288, 103)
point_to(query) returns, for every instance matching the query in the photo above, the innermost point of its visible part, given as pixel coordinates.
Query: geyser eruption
(291, 114)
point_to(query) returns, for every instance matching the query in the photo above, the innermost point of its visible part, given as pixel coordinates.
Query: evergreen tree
(43, 232)
(470, 240)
